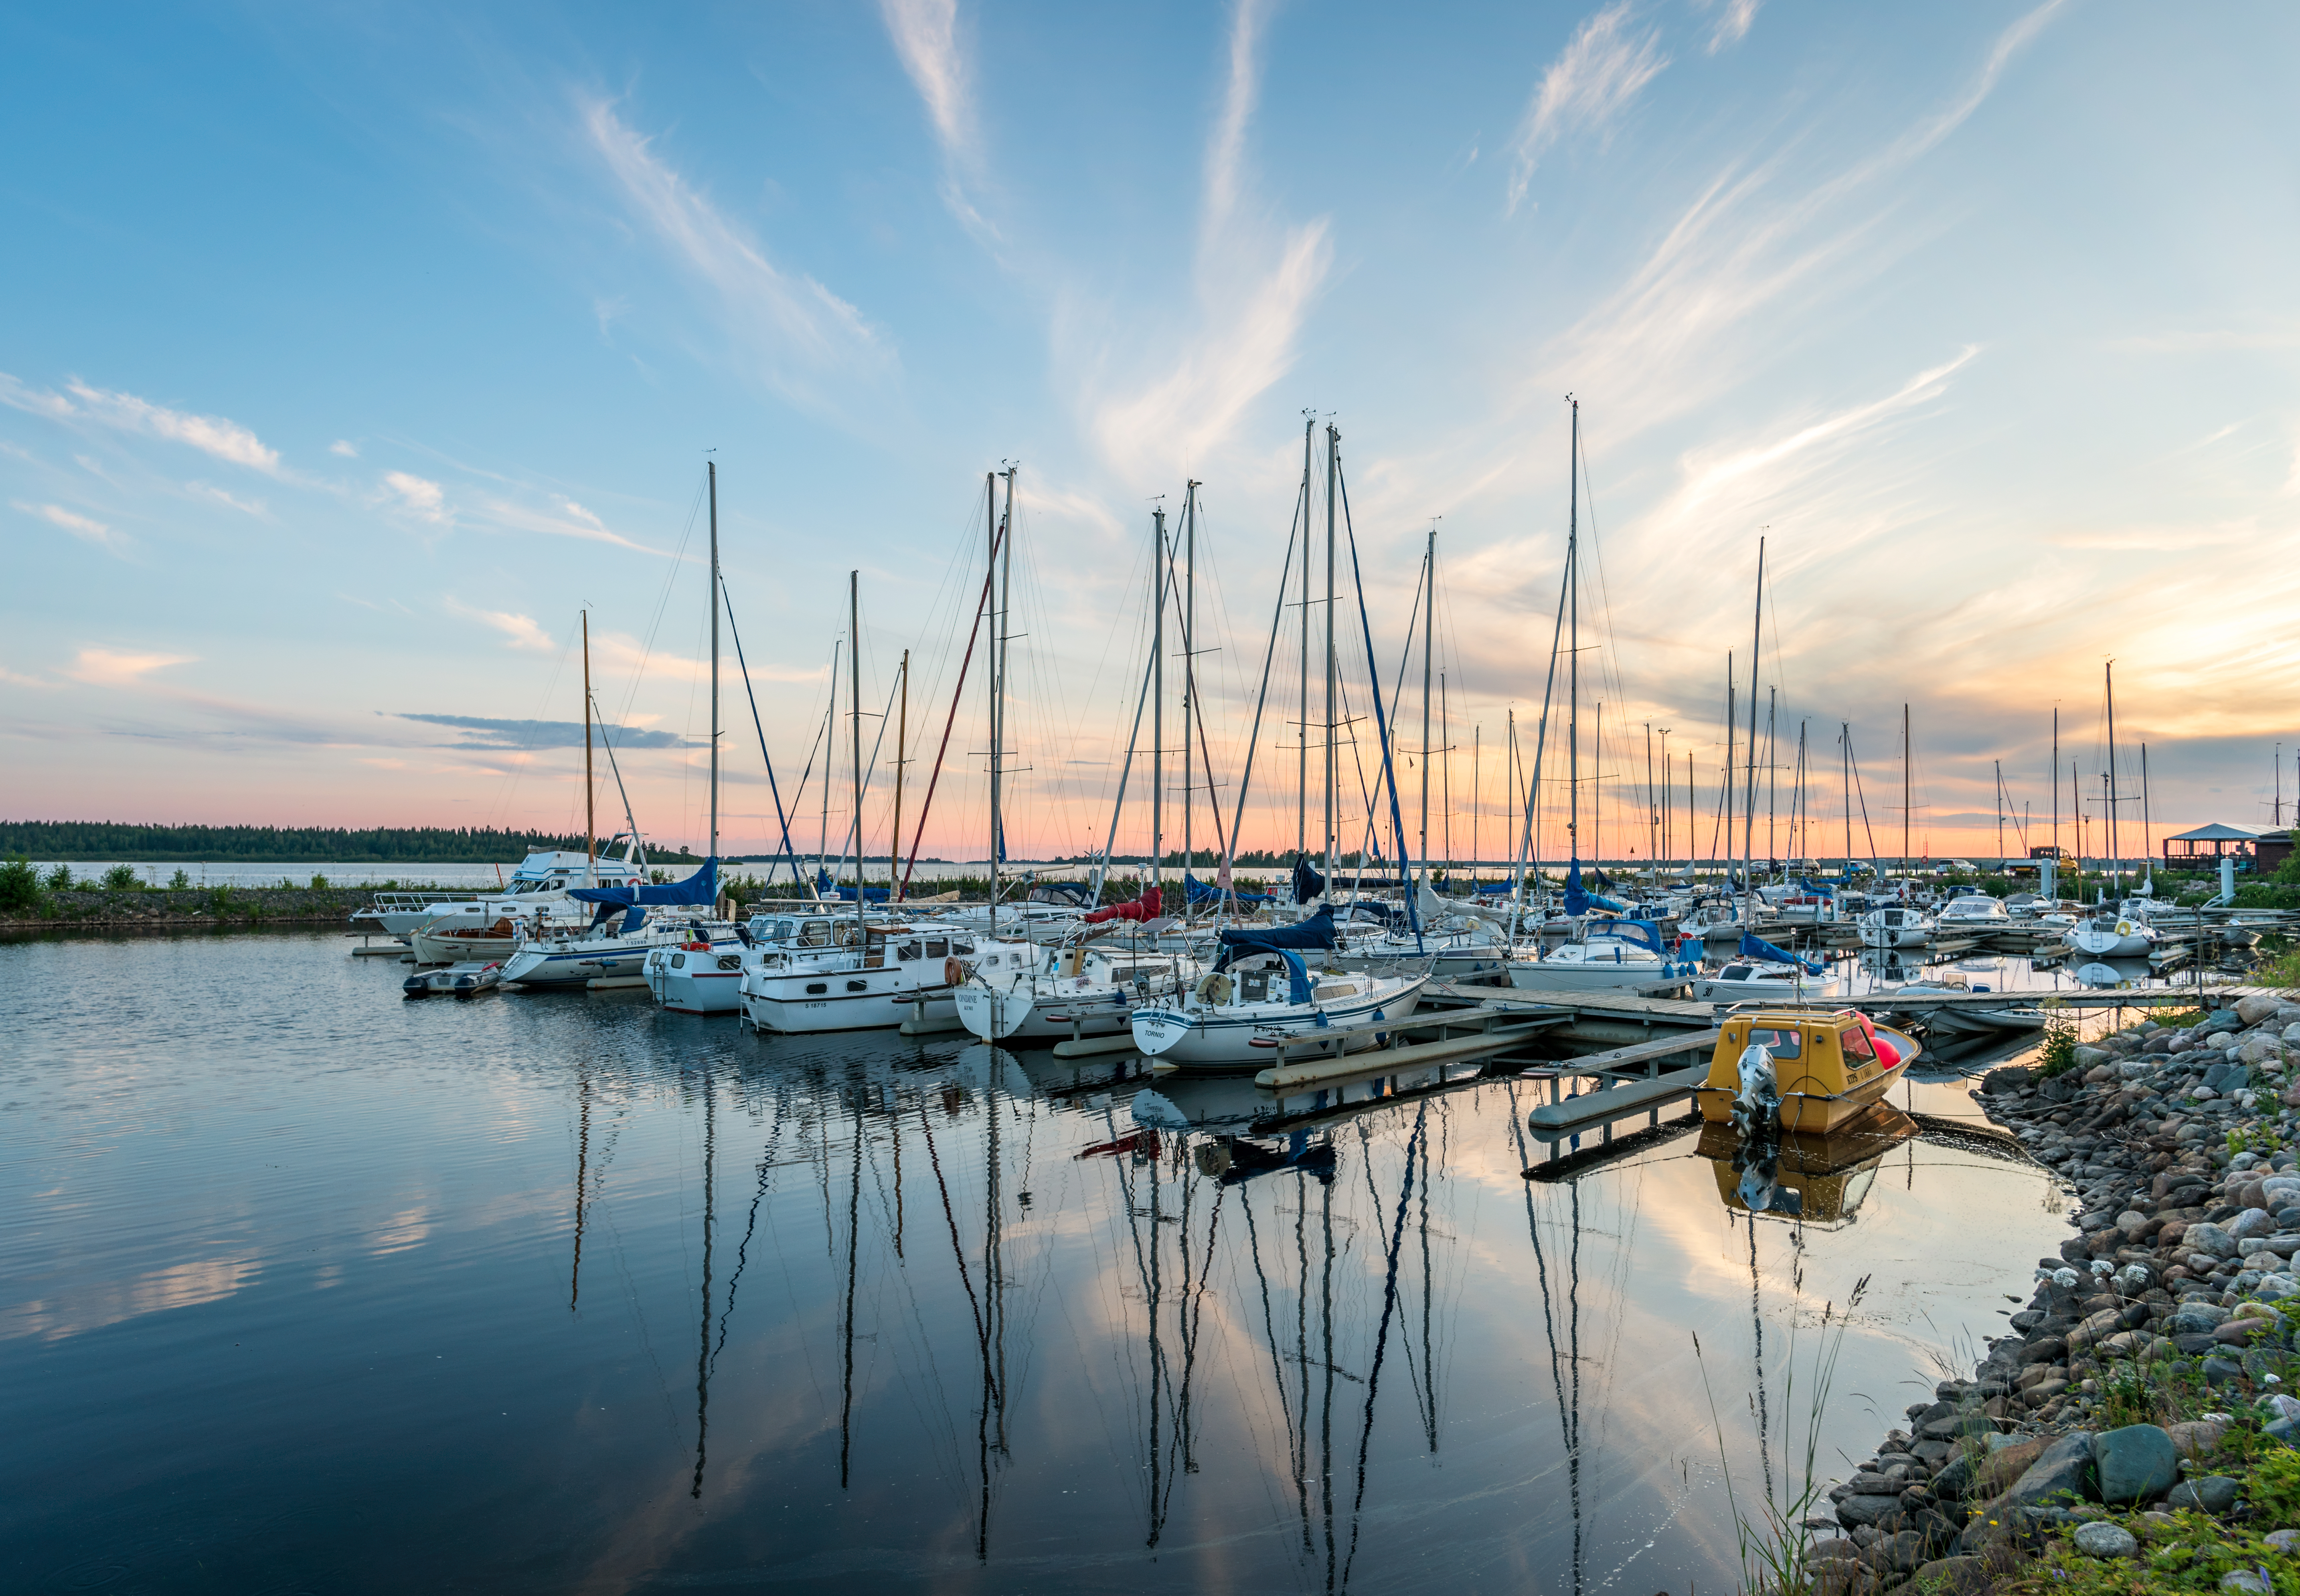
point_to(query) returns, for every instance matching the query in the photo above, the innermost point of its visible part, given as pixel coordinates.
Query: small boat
(1895, 928)
(463, 942)
(1066, 993)
(1258, 995)
(1972, 911)
(2114, 933)
(463, 980)
(701, 974)
(1608, 953)
(1802, 1071)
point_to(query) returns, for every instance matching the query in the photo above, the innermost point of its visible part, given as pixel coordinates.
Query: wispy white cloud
(120, 668)
(227, 440)
(573, 520)
(418, 495)
(214, 494)
(345, 447)
(85, 528)
(1256, 280)
(808, 341)
(1609, 60)
(1734, 17)
(519, 631)
(925, 34)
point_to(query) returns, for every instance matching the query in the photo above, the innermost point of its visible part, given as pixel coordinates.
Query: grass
(2282, 969)
(2058, 1053)
(2195, 1551)
(1773, 1544)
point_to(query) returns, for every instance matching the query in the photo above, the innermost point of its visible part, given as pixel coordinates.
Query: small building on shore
(2270, 849)
(2204, 847)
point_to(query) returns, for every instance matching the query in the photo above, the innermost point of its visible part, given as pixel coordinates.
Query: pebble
(2102, 1539)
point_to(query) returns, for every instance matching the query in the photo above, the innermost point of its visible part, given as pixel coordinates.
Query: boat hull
(1221, 1038)
(783, 1004)
(1021, 1014)
(1547, 974)
(573, 967)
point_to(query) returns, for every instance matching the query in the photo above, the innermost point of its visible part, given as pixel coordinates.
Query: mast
(1445, 775)
(590, 792)
(2147, 847)
(712, 467)
(1749, 815)
(2115, 854)
(1772, 773)
(1999, 765)
(1333, 437)
(1476, 801)
(1003, 619)
(2056, 784)
(990, 617)
(1652, 815)
(1301, 725)
(1573, 647)
(1430, 612)
(854, 679)
(1190, 671)
(1158, 702)
(894, 832)
(1904, 789)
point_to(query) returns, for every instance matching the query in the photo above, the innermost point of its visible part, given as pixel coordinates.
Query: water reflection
(975, 1318)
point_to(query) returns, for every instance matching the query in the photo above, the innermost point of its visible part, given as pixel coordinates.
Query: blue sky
(350, 352)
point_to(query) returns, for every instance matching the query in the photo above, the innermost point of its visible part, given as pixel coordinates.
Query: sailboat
(698, 974)
(1261, 990)
(2114, 930)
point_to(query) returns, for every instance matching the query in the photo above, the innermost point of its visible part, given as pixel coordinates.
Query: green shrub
(60, 879)
(319, 884)
(219, 902)
(179, 882)
(120, 878)
(20, 885)
(2058, 1055)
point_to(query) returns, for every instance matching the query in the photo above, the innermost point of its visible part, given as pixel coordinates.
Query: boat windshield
(1781, 1044)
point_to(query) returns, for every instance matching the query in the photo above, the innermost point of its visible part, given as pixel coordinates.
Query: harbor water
(308, 1287)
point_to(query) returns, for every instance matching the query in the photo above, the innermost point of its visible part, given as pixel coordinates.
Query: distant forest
(77, 840)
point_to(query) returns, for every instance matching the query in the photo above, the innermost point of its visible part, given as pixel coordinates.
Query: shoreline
(2115, 1431)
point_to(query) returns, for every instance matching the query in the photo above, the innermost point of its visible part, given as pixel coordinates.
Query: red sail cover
(1144, 907)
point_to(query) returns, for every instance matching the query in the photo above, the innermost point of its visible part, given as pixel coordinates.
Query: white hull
(784, 1005)
(456, 947)
(1557, 974)
(689, 981)
(1225, 1036)
(2112, 944)
(574, 964)
(1021, 1014)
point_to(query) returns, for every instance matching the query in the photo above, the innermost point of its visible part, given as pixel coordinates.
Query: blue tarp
(1307, 883)
(700, 889)
(1644, 932)
(1246, 947)
(1199, 892)
(846, 894)
(1757, 947)
(634, 917)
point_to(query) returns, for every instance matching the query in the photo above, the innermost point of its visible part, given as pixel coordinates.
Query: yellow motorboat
(1812, 1071)
(1812, 1179)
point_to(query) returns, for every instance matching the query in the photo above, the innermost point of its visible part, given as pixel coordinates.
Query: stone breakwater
(2116, 1431)
(164, 907)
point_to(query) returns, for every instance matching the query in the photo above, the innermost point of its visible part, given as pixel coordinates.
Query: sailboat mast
(712, 467)
(1333, 437)
(1429, 611)
(2115, 854)
(1904, 789)
(1749, 815)
(1158, 700)
(1301, 725)
(894, 832)
(2147, 845)
(2055, 783)
(990, 617)
(590, 792)
(1999, 765)
(1574, 648)
(1189, 673)
(1445, 774)
(854, 679)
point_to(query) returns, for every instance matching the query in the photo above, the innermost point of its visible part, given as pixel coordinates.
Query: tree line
(282, 844)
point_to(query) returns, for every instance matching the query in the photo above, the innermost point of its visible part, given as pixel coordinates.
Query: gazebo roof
(2216, 832)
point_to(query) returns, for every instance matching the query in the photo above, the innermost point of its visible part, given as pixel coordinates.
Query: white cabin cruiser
(1760, 970)
(1066, 993)
(1264, 994)
(1894, 926)
(899, 971)
(1972, 911)
(1608, 953)
(536, 896)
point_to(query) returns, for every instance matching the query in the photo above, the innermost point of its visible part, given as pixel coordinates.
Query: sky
(351, 355)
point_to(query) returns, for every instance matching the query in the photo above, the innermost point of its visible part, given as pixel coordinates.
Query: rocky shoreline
(2134, 1431)
(166, 907)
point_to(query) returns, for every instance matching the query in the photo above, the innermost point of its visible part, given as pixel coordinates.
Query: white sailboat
(1068, 992)
(1893, 926)
(1234, 1015)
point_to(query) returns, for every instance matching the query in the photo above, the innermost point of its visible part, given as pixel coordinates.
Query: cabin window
(909, 950)
(937, 947)
(678, 961)
(816, 988)
(1781, 1044)
(1255, 988)
(1734, 972)
(1856, 1046)
(963, 949)
(858, 986)
(730, 961)
(815, 933)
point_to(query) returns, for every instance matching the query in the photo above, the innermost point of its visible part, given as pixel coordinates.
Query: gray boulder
(2062, 1474)
(1856, 1512)
(2215, 1493)
(2208, 1237)
(2102, 1539)
(2136, 1463)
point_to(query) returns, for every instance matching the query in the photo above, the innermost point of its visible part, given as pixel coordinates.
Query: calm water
(310, 1288)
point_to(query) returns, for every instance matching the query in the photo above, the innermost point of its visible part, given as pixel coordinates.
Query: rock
(2209, 1238)
(2245, 1579)
(1963, 1576)
(2062, 1474)
(2251, 1010)
(2045, 1349)
(2135, 1463)
(2004, 1465)
(1903, 1552)
(2086, 1057)
(1863, 1512)
(2215, 1493)
(2286, 1541)
(1959, 1424)
(2102, 1539)
(2198, 1438)
(2220, 1371)
(2240, 1332)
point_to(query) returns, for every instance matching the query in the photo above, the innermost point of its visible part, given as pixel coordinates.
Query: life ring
(954, 972)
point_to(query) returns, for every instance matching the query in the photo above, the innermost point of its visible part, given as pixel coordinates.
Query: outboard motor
(1759, 1100)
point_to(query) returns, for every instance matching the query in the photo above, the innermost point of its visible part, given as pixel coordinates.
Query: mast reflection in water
(324, 1311)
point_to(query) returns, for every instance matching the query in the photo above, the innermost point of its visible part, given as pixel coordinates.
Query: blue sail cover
(1754, 946)
(1644, 933)
(1297, 973)
(1199, 892)
(1316, 932)
(1307, 883)
(846, 894)
(700, 889)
